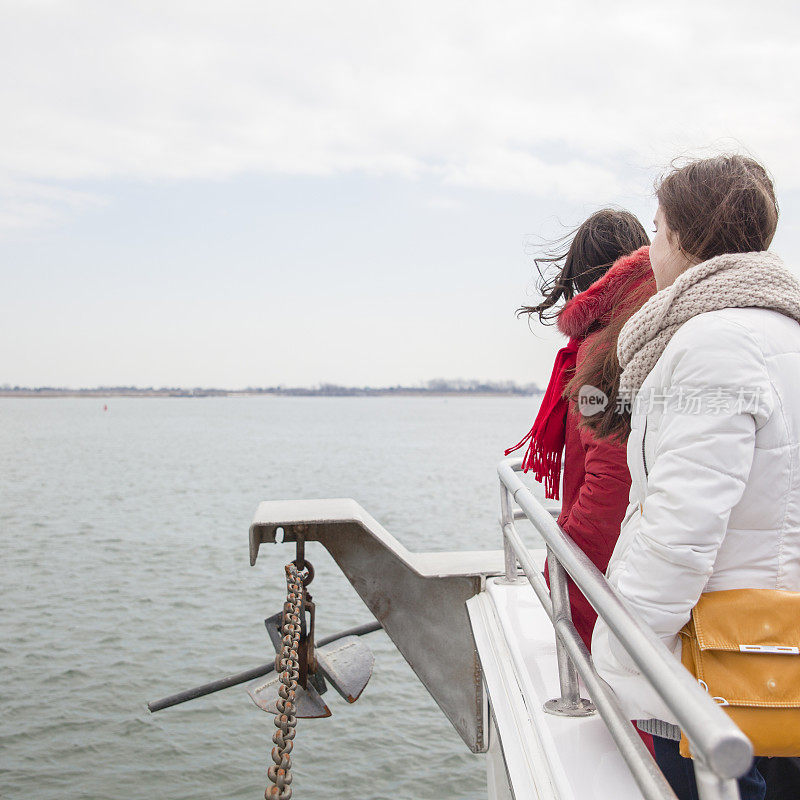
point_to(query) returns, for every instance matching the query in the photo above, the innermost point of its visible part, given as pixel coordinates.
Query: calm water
(125, 577)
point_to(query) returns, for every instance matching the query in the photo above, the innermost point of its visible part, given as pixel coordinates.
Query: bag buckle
(770, 648)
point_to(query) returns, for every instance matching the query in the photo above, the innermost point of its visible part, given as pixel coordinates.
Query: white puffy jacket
(715, 492)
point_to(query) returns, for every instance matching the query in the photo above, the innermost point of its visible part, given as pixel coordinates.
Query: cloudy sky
(257, 193)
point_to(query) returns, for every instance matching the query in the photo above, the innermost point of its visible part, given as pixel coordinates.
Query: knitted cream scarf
(733, 280)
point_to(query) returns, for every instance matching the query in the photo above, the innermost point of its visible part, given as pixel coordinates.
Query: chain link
(280, 771)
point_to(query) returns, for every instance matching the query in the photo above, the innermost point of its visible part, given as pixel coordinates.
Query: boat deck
(546, 756)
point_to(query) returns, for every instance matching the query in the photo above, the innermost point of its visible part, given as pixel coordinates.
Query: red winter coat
(596, 481)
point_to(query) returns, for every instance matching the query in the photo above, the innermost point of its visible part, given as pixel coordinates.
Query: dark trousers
(679, 772)
(782, 776)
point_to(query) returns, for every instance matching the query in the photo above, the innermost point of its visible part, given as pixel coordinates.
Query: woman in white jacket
(711, 364)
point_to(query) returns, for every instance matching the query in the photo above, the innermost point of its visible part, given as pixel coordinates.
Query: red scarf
(546, 437)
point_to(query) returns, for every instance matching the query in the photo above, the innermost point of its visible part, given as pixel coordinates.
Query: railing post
(711, 787)
(570, 704)
(507, 518)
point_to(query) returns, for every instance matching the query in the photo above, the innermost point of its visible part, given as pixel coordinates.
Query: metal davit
(418, 598)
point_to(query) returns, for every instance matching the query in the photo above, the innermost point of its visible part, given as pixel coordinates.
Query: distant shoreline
(477, 390)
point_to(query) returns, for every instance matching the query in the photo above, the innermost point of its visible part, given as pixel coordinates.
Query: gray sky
(231, 194)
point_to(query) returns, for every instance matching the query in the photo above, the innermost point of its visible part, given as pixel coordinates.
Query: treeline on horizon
(435, 386)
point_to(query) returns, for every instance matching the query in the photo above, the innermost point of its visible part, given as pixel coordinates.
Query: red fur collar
(598, 302)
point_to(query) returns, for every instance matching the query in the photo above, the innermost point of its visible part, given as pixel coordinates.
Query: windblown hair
(582, 256)
(724, 204)
(599, 366)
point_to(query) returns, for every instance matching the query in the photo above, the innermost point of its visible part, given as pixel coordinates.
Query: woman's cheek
(657, 264)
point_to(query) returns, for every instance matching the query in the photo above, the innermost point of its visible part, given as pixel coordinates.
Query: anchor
(291, 686)
(341, 660)
(345, 663)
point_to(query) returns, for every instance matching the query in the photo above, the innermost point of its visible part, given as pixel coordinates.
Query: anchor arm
(238, 678)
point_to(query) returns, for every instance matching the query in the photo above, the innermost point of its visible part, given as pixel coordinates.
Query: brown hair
(724, 204)
(599, 365)
(593, 247)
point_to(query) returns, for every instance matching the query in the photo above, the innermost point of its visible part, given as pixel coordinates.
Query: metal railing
(721, 751)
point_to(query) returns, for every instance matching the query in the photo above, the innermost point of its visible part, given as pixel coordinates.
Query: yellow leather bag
(743, 646)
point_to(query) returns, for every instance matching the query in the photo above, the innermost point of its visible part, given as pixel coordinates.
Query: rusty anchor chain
(288, 665)
(298, 675)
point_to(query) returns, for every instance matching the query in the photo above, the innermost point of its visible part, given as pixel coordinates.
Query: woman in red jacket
(605, 276)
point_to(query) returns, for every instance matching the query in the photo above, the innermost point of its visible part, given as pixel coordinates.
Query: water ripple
(125, 576)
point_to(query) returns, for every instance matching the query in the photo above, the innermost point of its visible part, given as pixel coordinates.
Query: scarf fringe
(546, 464)
(545, 439)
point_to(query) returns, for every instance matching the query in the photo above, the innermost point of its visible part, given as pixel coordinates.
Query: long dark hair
(599, 365)
(582, 256)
